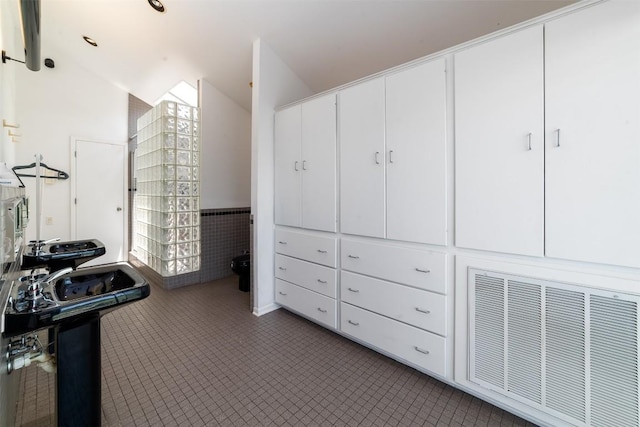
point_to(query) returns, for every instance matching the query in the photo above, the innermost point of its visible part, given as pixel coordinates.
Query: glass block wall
(167, 200)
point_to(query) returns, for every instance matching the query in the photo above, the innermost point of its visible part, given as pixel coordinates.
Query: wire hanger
(59, 174)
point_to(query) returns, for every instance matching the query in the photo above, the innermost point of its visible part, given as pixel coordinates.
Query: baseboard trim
(259, 311)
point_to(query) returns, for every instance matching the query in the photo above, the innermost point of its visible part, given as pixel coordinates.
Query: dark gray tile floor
(196, 356)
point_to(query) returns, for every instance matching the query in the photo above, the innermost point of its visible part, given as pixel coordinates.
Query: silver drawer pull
(321, 310)
(282, 268)
(353, 290)
(422, 310)
(353, 323)
(324, 282)
(321, 251)
(353, 256)
(423, 270)
(281, 293)
(418, 349)
(282, 243)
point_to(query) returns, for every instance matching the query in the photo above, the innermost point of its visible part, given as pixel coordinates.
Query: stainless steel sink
(42, 301)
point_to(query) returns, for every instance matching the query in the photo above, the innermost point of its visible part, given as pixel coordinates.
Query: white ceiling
(325, 42)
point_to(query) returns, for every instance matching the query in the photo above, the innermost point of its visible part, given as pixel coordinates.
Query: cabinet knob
(353, 323)
(321, 251)
(321, 310)
(324, 282)
(423, 270)
(390, 156)
(422, 310)
(353, 290)
(377, 157)
(353, 256)
(281, 293)
(282, 243)
(529, 139)
(282, 268)
(304, 165)
(295, 166)
(557, 137)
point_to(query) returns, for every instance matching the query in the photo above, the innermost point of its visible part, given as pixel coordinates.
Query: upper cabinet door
(288, 166)
(416, 154)
(362, 158)
(593, 134)
(499, 158)
(319, 164)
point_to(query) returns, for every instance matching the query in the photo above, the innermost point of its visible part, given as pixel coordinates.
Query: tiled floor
(196, 356)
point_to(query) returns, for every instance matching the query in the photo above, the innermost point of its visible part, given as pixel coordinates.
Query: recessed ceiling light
(91, 41)
(157, 5)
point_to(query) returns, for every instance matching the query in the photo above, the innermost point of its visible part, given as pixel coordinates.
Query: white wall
(11, 42)
(52, 106)
(274, 84)
(225, 165)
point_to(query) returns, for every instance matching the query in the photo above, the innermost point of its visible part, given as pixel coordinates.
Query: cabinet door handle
(295, 166)
(321, 310)
(353, 323)
(282, 242)
(422, 310)
(423, 270)
(353, 256)
(304, 165)
(390, 158)
(282, 268)
(377, 157)
(281, 293)
(420, 350)
(324, 282)
(557, 137)
(529, 139)
(353, 290)
(321, 251)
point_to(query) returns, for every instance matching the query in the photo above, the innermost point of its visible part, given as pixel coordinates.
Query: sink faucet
(37, 245)
(57, 274)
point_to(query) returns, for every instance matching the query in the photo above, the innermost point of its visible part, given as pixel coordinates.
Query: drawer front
(310, 304)
(423, 309)
(309, 247)
(308, 275)
(411, 344)
(414, 267)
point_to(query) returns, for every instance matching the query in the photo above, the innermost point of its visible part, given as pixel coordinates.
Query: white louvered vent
(564, 349)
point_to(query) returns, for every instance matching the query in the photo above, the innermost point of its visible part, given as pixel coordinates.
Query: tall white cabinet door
(319, 164)
(416, 154)
(362, 158)
(593, 114)
(288, 166)
(499, 160)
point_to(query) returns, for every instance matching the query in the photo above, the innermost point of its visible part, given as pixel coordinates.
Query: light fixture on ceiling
(91, 41)
(157, 5)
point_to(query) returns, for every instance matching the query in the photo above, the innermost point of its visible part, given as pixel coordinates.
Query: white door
(100, 204)
(593, 134)
(499, 152)
(288, 166)
(319, 163)
(362, 158)
(416, 154)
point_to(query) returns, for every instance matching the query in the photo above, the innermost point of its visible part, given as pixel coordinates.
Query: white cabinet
(414, 267)
(316, 307)
(362, 157)
(414, 345)
(592, 65)
(566, 184)
(499, 139)
(393, 156)
(305, 165)
(306, 278)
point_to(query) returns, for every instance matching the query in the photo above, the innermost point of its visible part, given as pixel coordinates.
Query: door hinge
(75, 201)
(75, 154)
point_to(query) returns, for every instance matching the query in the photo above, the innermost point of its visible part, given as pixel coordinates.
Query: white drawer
(310, 247)
(419, 308)
(308, 275)
(414, 267)
(308, 303)
(414, 345)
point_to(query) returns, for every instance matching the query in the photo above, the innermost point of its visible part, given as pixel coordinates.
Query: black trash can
(241, 265)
